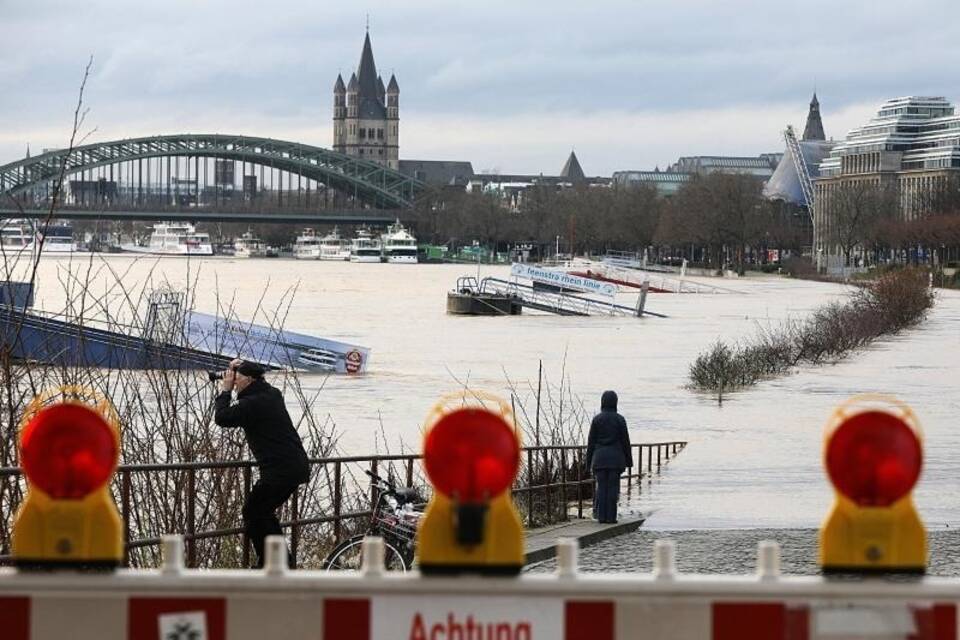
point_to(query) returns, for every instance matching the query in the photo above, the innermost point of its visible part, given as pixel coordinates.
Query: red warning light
(471, 454)
(68, 450)
(874, 458)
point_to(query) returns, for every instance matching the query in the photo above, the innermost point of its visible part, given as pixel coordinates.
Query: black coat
(608, 445)
(275, 443)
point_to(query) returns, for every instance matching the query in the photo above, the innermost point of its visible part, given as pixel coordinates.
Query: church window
(370, 133)
(363, 133)
(380, 151)
(379, 134)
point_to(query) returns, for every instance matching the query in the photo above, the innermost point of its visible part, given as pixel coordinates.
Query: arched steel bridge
(368, 182)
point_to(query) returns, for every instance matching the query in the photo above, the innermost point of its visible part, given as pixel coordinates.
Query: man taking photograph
(259, 409)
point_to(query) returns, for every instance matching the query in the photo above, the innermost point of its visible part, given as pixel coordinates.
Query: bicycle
(393, 519)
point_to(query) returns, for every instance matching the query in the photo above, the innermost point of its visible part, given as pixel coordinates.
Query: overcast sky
(508, 85)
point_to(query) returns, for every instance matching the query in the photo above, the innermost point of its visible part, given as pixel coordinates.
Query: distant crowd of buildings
(912, 144)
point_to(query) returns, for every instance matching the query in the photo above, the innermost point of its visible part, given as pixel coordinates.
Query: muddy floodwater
(755, 462)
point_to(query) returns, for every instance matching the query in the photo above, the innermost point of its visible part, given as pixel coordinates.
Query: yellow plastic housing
(501, 551)
(88, 532)
(855, 539)
(68, 532)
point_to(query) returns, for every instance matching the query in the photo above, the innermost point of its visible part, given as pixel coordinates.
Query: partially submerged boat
(172, 338)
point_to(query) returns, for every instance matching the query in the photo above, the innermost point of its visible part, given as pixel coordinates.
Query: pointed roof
(814, 128)
(381, 92)
(572, 168)
(368, 85)
(393, 87)
(353, 86)
(367, 71)
(28, 149)
(338, 86)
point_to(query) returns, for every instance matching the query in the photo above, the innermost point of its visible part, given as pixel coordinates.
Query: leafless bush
(887, 305)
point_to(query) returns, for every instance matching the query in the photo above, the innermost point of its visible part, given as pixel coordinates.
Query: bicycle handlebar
(389, 485)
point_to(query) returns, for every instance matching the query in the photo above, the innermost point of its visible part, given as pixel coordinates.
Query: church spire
(367, 71)
(814, 128)
(572, 169)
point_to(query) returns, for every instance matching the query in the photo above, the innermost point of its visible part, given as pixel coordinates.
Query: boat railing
(560, 302)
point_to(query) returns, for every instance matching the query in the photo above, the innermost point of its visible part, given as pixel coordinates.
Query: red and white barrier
(174, 604)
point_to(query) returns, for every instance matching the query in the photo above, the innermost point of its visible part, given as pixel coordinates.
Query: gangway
(560, 303)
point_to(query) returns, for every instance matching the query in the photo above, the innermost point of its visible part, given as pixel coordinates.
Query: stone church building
(366, 115)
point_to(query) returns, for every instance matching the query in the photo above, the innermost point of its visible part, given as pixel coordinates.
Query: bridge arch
(371, 183)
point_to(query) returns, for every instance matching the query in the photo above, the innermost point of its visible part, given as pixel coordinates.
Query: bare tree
(857, 208)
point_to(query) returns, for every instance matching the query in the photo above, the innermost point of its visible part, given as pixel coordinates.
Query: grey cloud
(181, 63)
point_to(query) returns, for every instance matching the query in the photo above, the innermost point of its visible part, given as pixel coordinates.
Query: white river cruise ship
(399, 245)
(333, 247)
(307, 246)
(365, 248)
(249, 246)
(174, 239)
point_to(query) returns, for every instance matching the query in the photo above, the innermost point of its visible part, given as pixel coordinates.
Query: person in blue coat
(608, 454)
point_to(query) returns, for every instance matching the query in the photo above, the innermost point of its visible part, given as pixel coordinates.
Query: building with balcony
(912, 147)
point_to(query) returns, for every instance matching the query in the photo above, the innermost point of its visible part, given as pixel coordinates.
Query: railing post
(649, 459)
(529, 487)
(191, 518)
(373, 485)
(658, 458)
(579, 482)
(549, 481)
(337, 499)
(247, 482)
(294, 526)
(563, 482)
(125, 513)
(638, 464)
(667, 451)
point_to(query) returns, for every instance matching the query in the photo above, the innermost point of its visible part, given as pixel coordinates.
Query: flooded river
(754, 462)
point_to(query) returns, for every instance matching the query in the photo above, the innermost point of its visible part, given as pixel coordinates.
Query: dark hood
(608, 401)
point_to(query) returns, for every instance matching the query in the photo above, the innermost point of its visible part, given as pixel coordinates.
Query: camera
(215, 375)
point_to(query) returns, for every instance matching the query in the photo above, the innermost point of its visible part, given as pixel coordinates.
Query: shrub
(892, 302)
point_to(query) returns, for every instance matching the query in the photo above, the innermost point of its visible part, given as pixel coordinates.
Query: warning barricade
(372, 604)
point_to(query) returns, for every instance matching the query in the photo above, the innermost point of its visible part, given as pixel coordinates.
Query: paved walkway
(542, 542)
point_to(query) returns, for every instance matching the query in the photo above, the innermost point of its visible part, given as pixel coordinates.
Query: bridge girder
(370, 182)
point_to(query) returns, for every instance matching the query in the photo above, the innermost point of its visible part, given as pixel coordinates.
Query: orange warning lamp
(69, 451)
(873, 456)
(471, 455)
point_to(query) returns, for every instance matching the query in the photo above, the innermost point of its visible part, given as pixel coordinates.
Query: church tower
(814, 128)
(366, 115)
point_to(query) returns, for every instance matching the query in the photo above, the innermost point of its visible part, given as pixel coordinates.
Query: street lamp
(557, 252)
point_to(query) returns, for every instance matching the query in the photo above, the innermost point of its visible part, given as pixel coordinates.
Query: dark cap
(250, 369)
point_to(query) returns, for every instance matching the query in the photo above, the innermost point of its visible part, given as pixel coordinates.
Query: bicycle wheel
(348, 556)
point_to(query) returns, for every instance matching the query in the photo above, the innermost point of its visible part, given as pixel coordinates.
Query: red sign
(176, 619)
(15, 618)
(354, 361)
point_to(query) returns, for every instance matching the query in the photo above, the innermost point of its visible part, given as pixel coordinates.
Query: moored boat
(399, 245)
(333, 247)
(249, 246)
(307, 246)
(365, 248)
(174, 239)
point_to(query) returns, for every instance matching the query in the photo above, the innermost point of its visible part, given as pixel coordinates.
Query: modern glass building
(911, 147)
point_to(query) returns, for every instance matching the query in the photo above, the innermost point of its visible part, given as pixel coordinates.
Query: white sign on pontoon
(563, 280)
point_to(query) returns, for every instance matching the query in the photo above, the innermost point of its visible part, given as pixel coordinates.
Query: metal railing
(551, 481)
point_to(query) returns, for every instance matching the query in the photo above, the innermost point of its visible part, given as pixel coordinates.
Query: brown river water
(754, 462)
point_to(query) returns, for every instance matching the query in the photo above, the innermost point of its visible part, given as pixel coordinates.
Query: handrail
(570, 488)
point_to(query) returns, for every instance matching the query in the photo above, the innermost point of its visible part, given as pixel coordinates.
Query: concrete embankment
(735, 551)
(542, 542)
